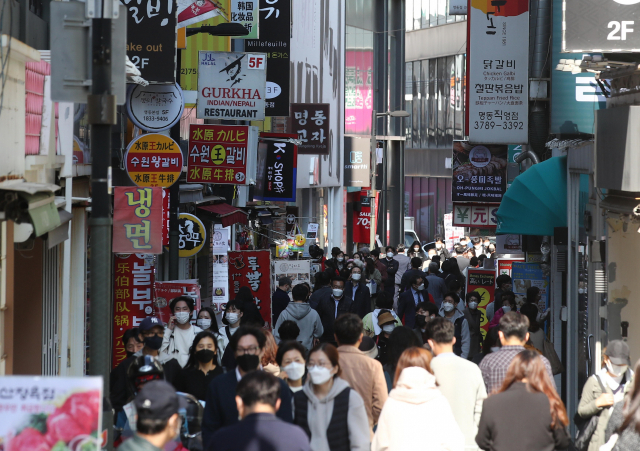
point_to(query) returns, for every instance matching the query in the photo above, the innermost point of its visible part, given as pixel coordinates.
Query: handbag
(585, 427)
(550, 353)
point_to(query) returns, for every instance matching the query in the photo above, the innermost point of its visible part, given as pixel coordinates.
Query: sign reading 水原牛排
(311, 122)
(245, 12)
(155, 108)
(231, 85)
(498, 72)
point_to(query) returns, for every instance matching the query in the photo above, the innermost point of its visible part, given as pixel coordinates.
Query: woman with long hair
(372, 273)
(416, 415)
(269, 363)
(401, 339)
(201, 367)
(526, 414)
(251, 315)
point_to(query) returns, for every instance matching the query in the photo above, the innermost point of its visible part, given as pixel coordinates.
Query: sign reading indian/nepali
(151, 38)
(132, 297)
(137, 220)
(482, 281)
(155, 108)
(192, 234)
(275, 37)
(311, 122)
(153, 160)
(222, 154)
(252, 269)
(246, 14)
(277, 165)
(479, 172)
(475, 215)
(498, 71)
(231, 85)
(165, 291)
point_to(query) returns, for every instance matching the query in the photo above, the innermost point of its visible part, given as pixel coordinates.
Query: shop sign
(195, 11)
(293, 214)
(312, 231)
(165, 291)
(357, 161)
(483, 282)
(457, 7)
(362, 221)
(299, 271)
(527, 275)
(151, 39)
(153, 160)
(222, 154)
(479, 172)
(166, 216)
(51, 413)
(220, 282)
(132, 297)
(509, 244)
(498, 71)
(475, 215)
(246, 14)
(220, 241)
(192, 234)
(155, 108)
(137, 220)
(358, 91)
(311, 122)
(504, 265)
(275, 36)
(231, 85)
(252, 269)
(278, 166)
(452, 234)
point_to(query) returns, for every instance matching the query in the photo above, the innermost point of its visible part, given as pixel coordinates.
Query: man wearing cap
(158, 421)
(387, 323)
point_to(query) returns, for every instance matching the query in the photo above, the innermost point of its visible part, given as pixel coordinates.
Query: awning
(60, 233)
(536, 201)
(228, 214)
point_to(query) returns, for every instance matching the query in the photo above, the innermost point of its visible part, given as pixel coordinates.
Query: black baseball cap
(149, 322)
(618, 352)
(158, 400)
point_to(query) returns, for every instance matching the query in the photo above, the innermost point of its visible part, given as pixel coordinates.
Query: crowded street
(319, 225)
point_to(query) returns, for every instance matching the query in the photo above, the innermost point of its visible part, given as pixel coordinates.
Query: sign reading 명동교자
(498, 72)
(155, 108)
(137, 220)
(311, 122)
(153, 160)
(483, 282)
(231, 85)
(277, 166)
(252, 269)
(479, 172)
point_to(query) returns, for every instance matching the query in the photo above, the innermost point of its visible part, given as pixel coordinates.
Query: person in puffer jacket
(303, 315)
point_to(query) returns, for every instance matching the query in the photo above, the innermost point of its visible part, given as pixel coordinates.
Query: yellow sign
(218, 154)
(154, 160)
(192, 235)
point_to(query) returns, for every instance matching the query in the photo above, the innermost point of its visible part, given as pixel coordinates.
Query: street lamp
(223, 29)
(372, 218)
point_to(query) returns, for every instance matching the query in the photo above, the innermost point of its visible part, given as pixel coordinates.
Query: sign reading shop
(231, 85)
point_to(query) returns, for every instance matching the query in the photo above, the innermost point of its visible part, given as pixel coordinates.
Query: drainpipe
(539, 72)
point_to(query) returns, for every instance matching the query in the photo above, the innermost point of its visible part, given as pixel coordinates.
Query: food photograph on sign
(479, 172)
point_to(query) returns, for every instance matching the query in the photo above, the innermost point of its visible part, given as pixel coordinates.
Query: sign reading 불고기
(252, 269)
(457, 7)
(246, 14)
(277, 166)
(498, 72)
(155, 108)
(311, 122)
(479, 172)
(193, 234)
(482, 216)
(137, 220)
(231, 85)
(153, 160)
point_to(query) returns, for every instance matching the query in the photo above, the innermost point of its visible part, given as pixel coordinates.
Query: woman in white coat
(416, 416)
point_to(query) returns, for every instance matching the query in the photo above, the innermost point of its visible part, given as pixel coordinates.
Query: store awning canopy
(228, 214)
(536, 201)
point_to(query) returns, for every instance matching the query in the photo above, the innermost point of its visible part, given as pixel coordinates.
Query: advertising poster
(153, 160)
(311, 122)
(137, 220)
(165, 291)
(246, 13)
(252, 269)
(509, 244)
(479, 172)
(299, 271)
(278, 168)
(358, 98)
(133, 277)
(275, 37)
(498, 71)
(527, 275)
(155, 108)
(452, 234)
(222, 154)
(193, 234)
(51, 413)
(220, 241)
(482, 281)
(362, 221)
(231, 85)
(357, 161)
(220, 282)
(504, 265)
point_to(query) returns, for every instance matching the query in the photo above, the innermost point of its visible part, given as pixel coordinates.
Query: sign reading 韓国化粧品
(137, 220)
(153, 160)
(246, 14)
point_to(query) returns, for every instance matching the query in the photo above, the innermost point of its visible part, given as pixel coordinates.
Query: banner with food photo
(479, 172)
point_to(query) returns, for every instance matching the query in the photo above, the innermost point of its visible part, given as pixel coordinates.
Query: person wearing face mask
(207, 320)
(508, 300)
(330, 308)
(605, 388)
(425, 312)
(358, 260)
(201, 368)
(441, 248)
(338, 258)
(503, 282)
(449, 310)
(474, 318)
(290, 358)
(410, 299)
(404, 265)
(331, 413)
(417, 251)
(307, 319)
(391, 266)
(437, 287)
(370, 321)
(221, 409)
(387, 323)
(232, 319)
(280, 298)
(359, 293)
(381, 267)
(179, 333)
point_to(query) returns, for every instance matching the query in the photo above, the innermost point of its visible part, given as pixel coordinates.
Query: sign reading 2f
(620, 30)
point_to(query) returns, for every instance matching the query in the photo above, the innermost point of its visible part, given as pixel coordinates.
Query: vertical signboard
(527, 275)
(252, 269)
(498, 71)
(246, 14)
(362, 220)
(452, 234)
(479, 172)
(132, 297)
(277, 168)
(311, 122)
(357, 161)
(483, 282)
(275, 37)
(220, 282)
(165, 291)
(137, 220)
(358, 86)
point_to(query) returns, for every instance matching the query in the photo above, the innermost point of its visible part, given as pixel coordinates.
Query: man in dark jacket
(329, 309)
(280, 298)
(380, 266)
(409, 300)
(392, 266)
(321, 290)
(416, 264)
(359, 293)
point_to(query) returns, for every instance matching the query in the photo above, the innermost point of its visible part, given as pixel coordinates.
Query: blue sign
(527, 275)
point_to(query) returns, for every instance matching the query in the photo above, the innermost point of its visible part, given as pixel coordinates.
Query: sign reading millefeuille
(231, 85)
(155, 108)
(153, 160)
(498, 71)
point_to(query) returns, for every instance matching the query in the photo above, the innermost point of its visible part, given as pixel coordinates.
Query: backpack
(585, 427)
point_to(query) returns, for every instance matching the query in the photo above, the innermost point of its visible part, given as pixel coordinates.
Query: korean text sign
(483, 282)
(277, 165)
(498, 68)
(479, 172)
(165, 291)
(132, 297)
(252, 269)
(137, 220)
(231, 85)
(219, 154)
(153, 160)
(311, 122)
(193, 234)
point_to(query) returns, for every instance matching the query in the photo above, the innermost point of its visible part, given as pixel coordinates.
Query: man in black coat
(358, 291)
(416, 264)
(321, 290)
(280, 298)
(392, 268)
(220, 409)
(330, 308)
(408, 300)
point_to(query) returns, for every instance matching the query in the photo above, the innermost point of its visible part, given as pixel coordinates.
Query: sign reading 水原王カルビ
(231, 85)
(498, 72)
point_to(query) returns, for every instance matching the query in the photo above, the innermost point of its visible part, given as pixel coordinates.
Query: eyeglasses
(250, 350)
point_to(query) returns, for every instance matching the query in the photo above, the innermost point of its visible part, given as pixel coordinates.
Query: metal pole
(102, 115)
(174, 200)
(372, 218)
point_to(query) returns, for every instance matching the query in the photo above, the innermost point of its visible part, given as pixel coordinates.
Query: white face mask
(416, 249)
(506, 309)
(448, 306)
(294, 371)
(388, 328)
(183, 317)
(356, 276)
(203, 323)
(356, 260)
(420, 287)
(390, 254)
(340, 259)
(616, 370)
(337, 292)
(473, 305)
(478, 247)
(232, 317)
(439, 245)
(319, 374)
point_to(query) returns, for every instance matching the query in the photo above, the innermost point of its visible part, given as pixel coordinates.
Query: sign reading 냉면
(277, 165)
(137, 220)
(498, 72)
(246, 14)
(155, 108)
(311, 122)
(153, 160)
(483, 282)
(479, 172)
(252, 269)
(231, 85)
(192, 234)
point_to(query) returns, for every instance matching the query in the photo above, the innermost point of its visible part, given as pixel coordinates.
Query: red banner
(482, 281)
(165, 216)
(132, 296)
(137, 220)
(167, 290)
(362, 221)
(252, 269)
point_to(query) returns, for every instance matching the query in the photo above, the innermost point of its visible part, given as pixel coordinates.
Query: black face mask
(248, 362)
(129, 353)
(421, 320)
(205, 355)
(154, 342)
